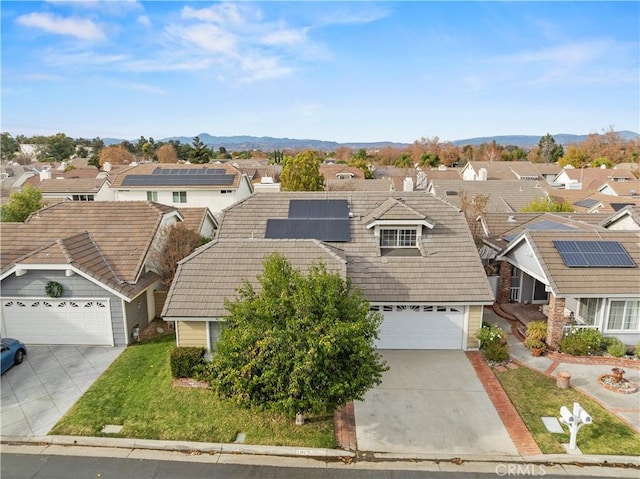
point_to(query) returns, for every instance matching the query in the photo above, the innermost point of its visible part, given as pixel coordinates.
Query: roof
(72, 185)
(624, 188)
(128, 177)
(331, 171)
(449, 270)
(584, 201)
(567, 281)
(359, 185)
(594, 178)
(194, 218)
(121, 233)
(506, 170)
(505, 196)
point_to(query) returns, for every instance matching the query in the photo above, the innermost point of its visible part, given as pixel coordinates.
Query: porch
(519, 315)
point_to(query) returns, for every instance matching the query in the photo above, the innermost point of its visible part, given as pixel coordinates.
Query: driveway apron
(430, 402)
(38, 392)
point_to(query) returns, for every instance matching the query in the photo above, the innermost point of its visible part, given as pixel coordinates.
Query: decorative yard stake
(574, 421)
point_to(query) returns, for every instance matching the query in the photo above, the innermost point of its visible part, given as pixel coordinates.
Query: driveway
(430, 402)
(38, 392)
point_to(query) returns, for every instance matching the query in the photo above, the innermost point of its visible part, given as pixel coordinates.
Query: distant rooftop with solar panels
(155, 175)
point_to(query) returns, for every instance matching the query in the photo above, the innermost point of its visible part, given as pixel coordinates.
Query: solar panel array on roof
(324, 220)
(593, 254)
(189, 171)
(618, 206)
(167, 179)
(587, 203)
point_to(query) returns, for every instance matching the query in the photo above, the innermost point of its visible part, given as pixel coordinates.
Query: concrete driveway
(38, 392)
(430, 402)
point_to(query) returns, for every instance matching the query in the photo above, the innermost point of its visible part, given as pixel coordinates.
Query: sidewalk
(584, 373)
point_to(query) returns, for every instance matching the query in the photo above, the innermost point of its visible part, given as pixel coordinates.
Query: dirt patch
(156, 328)
(190, 383)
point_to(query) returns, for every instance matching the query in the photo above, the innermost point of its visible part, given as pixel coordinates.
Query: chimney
(407, 184)
(482, 174)
(106, 166)
(45, 175)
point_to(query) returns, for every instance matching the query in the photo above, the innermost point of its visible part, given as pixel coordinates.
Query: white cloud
(76, 27)
(285, 36)
(208, 37)
(230, 14)
(146, 88)
(144, 20)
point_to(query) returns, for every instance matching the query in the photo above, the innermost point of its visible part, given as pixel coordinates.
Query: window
(588, 310)
(624, 315)
(82, 197)
(153, 196)
(179, 196)
(226, 192)
(398, 238)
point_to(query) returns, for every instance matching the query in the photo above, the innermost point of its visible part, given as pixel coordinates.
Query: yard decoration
(535, 337)
(53, 289)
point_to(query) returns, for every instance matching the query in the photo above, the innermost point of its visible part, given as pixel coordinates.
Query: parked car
(13, 352)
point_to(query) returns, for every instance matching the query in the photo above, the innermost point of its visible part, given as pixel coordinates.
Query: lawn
(136, 392)
(535, 395)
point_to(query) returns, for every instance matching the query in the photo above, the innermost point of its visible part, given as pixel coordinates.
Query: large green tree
(59, 147)
(548, 150)
(199, 153)
(302, 173)
(302, 344)
(21, 204)
(8, 147)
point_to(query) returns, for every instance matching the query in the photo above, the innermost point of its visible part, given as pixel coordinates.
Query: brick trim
(594, 360)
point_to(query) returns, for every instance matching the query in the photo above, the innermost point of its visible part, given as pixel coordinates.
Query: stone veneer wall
(504, 289)
(555, 321)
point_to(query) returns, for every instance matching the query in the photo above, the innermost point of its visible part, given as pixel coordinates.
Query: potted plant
(535, 337)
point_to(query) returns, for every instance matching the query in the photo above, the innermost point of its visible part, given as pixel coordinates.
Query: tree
(59, 147)
(575, 156)
(199, 152)
(359, 160)
(276, 157)
(546, 204)
(21, 204)
(175, 243)
(116, 155)
(403, 161)
(302, 344)
(148, 149)
(167, 154)
(473, 209)
(8, 147)
(302, 173)
(429, 159)
(548, 150)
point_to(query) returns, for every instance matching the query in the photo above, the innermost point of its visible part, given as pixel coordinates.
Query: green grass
(136, 391)
(535, 395)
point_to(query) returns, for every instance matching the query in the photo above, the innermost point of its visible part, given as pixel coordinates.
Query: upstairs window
(82, 197)
(179, 196)
(398, 237)
(152, 196)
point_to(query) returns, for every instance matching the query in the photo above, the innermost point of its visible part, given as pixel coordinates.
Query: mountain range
(267, 143)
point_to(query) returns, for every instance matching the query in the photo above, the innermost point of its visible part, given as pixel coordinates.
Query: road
(22, 466)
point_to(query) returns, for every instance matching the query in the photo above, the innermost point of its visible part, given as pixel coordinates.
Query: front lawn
(136, 392)
(535, 395)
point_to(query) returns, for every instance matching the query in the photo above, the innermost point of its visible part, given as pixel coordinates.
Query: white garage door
(55, 321)
(421, 327)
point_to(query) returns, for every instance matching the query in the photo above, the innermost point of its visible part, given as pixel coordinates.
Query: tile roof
(506, 170)
(194, 218)
(625, 188)
(148, 169)
(449, 270)
(384, 184)
(72, 185)
(576, 199)
(121, 234)
(331, 171)
(594, 178)
(566, 281)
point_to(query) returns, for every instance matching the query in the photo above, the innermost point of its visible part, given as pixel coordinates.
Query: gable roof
(394, 209)
(121, 232)
(383, 184)
(506, 170)
(72, 185)
(120, 177)
(593, 178)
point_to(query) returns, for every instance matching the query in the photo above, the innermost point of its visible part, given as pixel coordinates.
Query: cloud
(230, 14)
(43, 77)
(76, 27)
(144, 20)
(285, 36)
(208, 37)
(146, 88)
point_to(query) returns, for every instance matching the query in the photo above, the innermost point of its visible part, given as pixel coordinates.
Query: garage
(57, 321)
(421, 327)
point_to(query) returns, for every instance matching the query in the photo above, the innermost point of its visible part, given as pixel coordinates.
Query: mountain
(268, 143)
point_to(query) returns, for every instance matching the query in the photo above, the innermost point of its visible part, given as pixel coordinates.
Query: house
(590, 201)
(383, 184)
(590, 178)
(500, 170)
(581, 278)
(548, 171)
(200, 220)
(626, 219)
(214, 186)
(504, 196)
(76, 189)
(99, 255)
(629, 188)
(411, 255)
(340, 172)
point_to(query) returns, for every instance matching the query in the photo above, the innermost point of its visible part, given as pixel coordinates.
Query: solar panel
(189, 171)
(178, 180)
(587, 203)
(593, 254)
(301, 228)
(318, 209)
(619, 206)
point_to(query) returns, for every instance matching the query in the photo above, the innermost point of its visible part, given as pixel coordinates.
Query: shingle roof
(194, 218)
(449, 270)
(121, 232)
(594, 178)
(566, 281)
(148, 168)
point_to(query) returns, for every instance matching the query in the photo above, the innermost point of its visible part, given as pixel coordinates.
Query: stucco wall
(32, 285)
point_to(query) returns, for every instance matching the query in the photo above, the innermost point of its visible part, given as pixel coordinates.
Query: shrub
(615, 347)
(581, 342)
(637, 353)
(185, 361)
(496, 351)
(537, 330)
(491, 334)
(533, 343)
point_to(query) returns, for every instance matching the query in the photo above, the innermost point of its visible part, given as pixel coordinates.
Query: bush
(537, 330)
(533, 343)
(582, 342)
(497, 352)
(637, 353)
(615, 347)
(185, 361)
(490, 334)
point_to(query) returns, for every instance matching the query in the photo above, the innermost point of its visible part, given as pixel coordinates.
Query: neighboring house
(340, 172)
(200, 220)
(548, 171)
(625, 188)
(590, 201)
(77, 189)
(500, 170)
(360, 185)
(627, 219)
(590, 179)
(410, 254)
(400, 177)
(214, 186)
(584, 279)
(505, 196)
(99, 253)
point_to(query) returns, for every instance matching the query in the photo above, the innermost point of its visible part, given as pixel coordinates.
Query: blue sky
(347, 72)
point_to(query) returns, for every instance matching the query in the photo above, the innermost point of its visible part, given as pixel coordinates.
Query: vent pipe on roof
(407, 184)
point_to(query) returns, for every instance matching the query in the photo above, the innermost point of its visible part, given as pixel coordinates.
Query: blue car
(13, 352)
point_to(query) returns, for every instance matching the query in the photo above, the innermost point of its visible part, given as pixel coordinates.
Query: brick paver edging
(594, 360)
(345, 427)
(515, 426)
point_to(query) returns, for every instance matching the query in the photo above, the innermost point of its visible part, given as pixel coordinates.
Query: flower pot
(536, 352)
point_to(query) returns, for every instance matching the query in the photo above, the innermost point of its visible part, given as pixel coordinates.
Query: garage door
(54, 321)
(421, 327)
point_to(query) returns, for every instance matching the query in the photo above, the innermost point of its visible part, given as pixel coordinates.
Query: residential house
(214, 186)
(99, 254)
(340, 172)
(590, 201)
(200, 220)
(76, 189)
(411, 255)
(626, 219)
(590, 178)
(500, 170)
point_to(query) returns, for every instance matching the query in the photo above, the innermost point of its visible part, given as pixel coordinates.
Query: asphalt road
(19, 466)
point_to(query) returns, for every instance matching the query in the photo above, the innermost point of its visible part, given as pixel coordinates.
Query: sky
(337, 71)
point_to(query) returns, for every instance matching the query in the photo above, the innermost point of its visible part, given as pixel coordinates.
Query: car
(13, 352)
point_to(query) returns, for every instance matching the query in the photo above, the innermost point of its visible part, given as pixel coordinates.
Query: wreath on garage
(53, 289)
